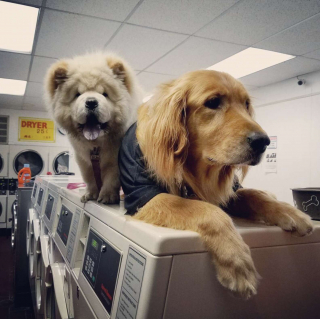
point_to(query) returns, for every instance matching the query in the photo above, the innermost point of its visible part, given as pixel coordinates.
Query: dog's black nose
(91, 104)
(258, 142)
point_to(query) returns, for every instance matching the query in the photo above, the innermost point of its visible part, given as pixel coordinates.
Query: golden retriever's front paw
(239, 274)
(109, 198)
(88, 196)
(293, 220)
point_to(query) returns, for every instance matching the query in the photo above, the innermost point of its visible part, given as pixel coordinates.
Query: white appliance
(12, 202)
(3, 211)
(36, 156)
(3, 202)
(123, 268)
(59, 160)
(4, 156)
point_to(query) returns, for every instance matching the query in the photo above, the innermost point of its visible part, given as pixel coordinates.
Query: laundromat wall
(60, 141)
(292, 113)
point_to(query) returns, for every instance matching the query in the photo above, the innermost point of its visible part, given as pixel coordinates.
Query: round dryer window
(61, 163)
(29, 157)
(1, 163)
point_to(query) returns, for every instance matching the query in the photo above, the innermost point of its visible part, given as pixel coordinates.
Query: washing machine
(36, 157)
(3, 202)
(133, 269)
(4, 157)
(59, 160)
(12, 201)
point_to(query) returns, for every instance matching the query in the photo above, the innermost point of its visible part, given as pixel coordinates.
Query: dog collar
(95, 162)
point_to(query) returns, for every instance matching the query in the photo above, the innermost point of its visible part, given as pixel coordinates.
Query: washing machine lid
(30, 157)
(44, 240)
(61, 163)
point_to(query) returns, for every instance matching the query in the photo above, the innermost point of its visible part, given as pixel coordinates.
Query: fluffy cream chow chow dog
(94, 98)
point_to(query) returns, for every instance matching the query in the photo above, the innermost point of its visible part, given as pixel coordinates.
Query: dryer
(12, 201)
(4, 157)
(37, 157)
(59, 160)
(3, 202)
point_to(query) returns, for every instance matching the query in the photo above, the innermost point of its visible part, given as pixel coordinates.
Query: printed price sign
(36, 130)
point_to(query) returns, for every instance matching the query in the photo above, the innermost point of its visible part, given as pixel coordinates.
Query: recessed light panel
(17, 27)
(12, 87)
(250, 61)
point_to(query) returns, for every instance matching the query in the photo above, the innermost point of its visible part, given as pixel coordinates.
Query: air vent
(4, 128)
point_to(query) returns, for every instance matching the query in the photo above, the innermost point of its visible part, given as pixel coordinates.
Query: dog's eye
(105, 94)
(77, 95)
(213, 103)
(247, 104)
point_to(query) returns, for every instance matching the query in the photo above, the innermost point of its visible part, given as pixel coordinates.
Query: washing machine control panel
(64, 224)
(12, 186)
(40, 196)
(49, 206)
(3, 186)
(100, 267)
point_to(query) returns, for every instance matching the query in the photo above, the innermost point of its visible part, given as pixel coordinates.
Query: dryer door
(30, 157)
(3, 213)
(1, 163)
(61, 163)
(55, 301)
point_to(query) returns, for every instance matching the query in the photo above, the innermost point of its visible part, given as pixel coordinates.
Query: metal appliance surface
(21, 278)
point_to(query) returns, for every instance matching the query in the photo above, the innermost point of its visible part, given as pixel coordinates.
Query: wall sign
(36, 130)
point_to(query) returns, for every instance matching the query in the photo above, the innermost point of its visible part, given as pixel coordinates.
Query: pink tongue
(91, 132)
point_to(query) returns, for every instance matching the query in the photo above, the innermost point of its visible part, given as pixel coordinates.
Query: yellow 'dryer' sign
(36, 130)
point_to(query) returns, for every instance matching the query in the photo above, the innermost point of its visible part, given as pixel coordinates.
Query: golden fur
(108, 80)
(186, 144)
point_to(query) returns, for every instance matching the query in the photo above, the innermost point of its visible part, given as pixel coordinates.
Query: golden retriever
(195, 134)
(95, 97)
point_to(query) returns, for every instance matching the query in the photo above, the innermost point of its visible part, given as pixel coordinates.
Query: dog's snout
(91, 104)
(258, 141)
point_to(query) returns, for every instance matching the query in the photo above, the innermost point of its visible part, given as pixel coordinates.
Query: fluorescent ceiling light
(249, 61)
(12, 87)
(17, 27)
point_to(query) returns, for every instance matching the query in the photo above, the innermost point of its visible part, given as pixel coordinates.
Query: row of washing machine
(41, 159)
(93, 261)
(7, 201)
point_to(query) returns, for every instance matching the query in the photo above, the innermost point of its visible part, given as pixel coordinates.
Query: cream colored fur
(69, 83)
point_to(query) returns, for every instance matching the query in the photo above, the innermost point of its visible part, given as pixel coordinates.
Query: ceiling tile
(39, 68)
(282, 71)
(251, 21)
(179, 16)
(33, 103)
(10, 101)
(14, 65)
(34, 90)
(313, 54)
(67, 34)
(36, 3)
(142, 46)
(298, 40)
(193, 54)
(111, 9)
(150, 80)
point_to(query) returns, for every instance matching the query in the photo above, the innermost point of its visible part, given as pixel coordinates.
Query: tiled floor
(7, 311)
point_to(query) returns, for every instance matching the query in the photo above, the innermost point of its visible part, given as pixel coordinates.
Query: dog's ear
(166, 134)
(121, 71)
(56, 76)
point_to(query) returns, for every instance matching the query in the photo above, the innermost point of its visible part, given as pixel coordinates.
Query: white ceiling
(165, 38)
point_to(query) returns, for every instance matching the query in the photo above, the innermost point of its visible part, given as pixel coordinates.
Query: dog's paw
(109, 198)
(239, 274)
(291, 219)
(88, 196)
